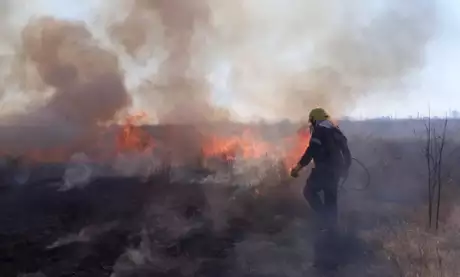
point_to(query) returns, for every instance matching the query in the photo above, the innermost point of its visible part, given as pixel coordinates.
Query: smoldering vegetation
(88, 209)
(209, 223)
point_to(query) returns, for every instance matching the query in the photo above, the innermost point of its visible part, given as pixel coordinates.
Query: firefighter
(328, 148)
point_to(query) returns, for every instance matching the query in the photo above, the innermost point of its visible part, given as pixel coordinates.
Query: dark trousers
(326, 241)
(325, 181)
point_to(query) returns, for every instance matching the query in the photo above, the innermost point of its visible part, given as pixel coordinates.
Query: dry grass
(268, 232)
(225, 229)
(416, 252)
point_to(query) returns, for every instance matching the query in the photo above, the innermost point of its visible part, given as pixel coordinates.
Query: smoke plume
(283, 57)
(277, 58)
(82, 84)
(305, 54)
(273, 58)
(180, 87)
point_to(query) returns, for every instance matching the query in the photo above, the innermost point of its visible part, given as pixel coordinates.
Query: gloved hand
(295, 171)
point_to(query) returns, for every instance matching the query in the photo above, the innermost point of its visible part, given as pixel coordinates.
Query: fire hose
(366, 183)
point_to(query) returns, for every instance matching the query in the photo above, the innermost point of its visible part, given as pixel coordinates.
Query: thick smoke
(305, 54)
(179, 91)
(84, 82)
(283, 57)
(277, 58)
(87, 79)
(4, 8)
(179, 88)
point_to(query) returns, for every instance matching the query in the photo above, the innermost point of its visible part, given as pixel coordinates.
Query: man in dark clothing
(328, 148)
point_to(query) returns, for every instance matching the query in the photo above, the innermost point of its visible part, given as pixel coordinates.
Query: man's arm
(313, 147)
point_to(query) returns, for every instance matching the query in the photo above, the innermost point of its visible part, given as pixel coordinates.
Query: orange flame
(298, 144)
(247, 145)
(250, 146)
(133, 138)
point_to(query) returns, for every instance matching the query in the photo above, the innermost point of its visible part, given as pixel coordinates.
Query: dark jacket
(328, 148)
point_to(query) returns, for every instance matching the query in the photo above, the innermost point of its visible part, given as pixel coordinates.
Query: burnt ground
(174, 225)
(189, 229)
(34, 216)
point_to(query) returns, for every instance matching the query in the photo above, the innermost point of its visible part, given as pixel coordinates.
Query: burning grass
(132, 138)
(243, 216)
(133, 149)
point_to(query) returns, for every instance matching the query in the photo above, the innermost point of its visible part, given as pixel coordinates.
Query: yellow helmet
(318, 114)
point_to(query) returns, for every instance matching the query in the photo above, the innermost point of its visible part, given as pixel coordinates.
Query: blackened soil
(33, 217)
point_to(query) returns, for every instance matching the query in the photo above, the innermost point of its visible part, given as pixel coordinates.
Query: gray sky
(436, 86)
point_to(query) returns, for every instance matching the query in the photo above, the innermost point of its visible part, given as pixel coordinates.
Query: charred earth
(225, 218)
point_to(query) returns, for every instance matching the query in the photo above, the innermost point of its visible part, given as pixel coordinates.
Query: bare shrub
(434, 151)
